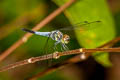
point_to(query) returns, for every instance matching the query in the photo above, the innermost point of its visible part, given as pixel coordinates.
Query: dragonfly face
(65, 39)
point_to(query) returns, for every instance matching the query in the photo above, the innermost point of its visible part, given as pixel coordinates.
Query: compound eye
(66, 39)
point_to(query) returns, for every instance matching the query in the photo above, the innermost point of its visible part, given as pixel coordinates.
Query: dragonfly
(58, 36)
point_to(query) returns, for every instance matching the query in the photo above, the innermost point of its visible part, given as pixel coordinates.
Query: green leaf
(99, 34)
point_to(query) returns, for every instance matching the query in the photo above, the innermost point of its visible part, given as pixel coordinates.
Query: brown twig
(57, 55)
(37, 27)
(111, 43)
(49, 70)
(72, 60)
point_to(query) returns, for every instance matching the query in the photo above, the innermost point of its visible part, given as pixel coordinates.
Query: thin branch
(59, 66)
(71, 60)
(57, 55)
(49, 70)
(27, 61)
(37, 27)
(111, 43)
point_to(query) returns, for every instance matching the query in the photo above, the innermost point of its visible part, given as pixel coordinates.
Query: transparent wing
(82, 26)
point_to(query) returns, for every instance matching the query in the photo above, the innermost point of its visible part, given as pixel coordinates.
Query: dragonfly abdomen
(27, 30)
(47, 34)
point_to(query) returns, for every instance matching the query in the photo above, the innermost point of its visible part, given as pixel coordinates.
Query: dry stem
(57, 55)
(71, 60)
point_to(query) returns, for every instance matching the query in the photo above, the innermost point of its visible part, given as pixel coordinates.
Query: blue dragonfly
(58, 36)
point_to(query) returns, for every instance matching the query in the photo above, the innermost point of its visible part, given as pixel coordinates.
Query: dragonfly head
(65, 39)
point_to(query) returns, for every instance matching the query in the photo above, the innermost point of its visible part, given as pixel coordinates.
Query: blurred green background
(16, 14)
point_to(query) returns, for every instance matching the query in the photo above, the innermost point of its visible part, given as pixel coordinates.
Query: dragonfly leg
(55, 48)
(64, 47)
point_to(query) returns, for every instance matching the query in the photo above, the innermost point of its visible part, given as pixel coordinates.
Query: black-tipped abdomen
(27, 30)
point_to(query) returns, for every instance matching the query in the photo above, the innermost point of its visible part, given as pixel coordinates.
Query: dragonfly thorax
(56, 35)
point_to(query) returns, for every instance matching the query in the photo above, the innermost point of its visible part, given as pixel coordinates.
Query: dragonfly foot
(64, 47)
